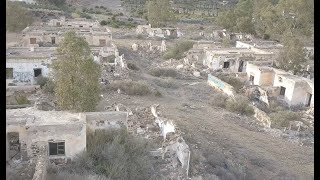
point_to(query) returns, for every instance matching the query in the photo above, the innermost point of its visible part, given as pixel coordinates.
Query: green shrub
(282, 118)
(116, 155)
(40, 80)
(177, 51)
(275, 106)
(109, 59)
(84, 15)
(22, 99)
(165, 72)
(240, 104)
(49, 87)
(104, 22)
(219, 100)
(130, 87)
(233, 81)
(132, 66)
(158, 94)
(139, 36)
(166, 83)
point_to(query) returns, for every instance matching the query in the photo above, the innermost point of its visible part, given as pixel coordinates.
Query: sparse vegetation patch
(130, 87)
(179, 48)
(165, 72)
(113, 154)
(282, 118)
(240, 104)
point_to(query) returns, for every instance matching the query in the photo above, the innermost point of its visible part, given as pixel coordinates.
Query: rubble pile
(184, 66)
(174, 152)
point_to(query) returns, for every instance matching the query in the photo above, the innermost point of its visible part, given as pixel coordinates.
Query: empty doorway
(282, 91)
(226, 64)
(240, 66)
(37, 72)
(14, 145)
(33, 41)
(53, 40)
(9, 73)
(309, 97)
(251, 78)
(102, 42)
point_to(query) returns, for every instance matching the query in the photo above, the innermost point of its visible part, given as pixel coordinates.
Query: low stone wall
(27, 88)
(221, 85)
(183, 154)
(106, 120)
(242, 76)
(262, 117)
(41, 163)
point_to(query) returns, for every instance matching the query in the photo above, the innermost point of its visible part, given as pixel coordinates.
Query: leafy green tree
(226, 42)
(159, 13)
(76, 76)
(292, 56)
(270, 18)
(227, 19)
(238, 19)
(276, 18)
(17, 17)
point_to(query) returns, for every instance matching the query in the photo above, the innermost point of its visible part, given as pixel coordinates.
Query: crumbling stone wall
(105, 120)
(182, 152)
(41, 162)
(262, 117)
(23, 69)
(17, 124)
(221, 85)
(74, 135)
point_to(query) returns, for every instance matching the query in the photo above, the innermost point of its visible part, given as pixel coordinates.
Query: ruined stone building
(51, 36)
(24, 65)
(220, 34)
(51, 33)
(165, 32)
(271, 46)
(36, 50)
(64, 133)
(233, 59)
(290, 89)
(75, 23)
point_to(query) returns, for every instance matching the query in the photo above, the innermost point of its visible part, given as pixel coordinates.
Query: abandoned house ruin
(24, 65)
(36, 50)
(292, 90)
(233, 59)
(165, 32)
(64, 132)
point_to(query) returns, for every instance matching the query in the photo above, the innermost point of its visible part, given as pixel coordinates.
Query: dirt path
(221, 142)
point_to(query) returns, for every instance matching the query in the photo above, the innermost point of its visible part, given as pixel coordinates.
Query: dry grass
(219, 100)
(130, 87)
(112, 154)
(240, 105)
(177, 51)
(282, 118)
(22, 99)
(166, 83)
(233, 81)
(132, 66)
(165, 72)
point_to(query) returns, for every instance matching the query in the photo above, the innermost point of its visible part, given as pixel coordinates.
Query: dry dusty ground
(222, 143)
